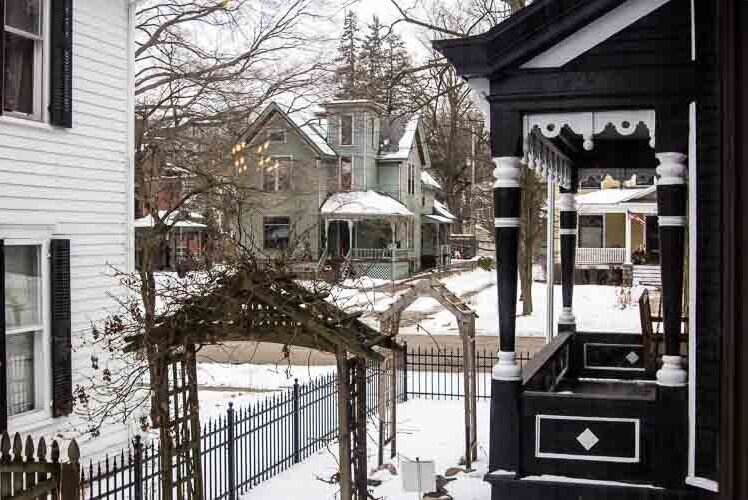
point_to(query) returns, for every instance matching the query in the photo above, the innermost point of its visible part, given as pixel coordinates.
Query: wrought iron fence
(249, 445)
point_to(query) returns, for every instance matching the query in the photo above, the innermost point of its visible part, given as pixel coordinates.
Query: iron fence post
(137, 445)
(296, 451)
(231, 451)
(405, 371)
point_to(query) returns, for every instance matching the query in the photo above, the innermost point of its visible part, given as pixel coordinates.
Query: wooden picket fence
(31, 471)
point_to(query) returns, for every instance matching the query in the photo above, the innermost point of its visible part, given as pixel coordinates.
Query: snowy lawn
(421, 425)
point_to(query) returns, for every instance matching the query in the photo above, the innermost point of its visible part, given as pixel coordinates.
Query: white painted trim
(610, 368)
(550, 259)
(571, 456)
(507, 172)
(130, 165)
(506, 222)
(507, 369)
(703, 483)
(594, 33)
(672, 220)
(567, 232)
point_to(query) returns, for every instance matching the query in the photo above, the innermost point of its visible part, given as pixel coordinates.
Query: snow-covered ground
(420, 435)
(596, 307)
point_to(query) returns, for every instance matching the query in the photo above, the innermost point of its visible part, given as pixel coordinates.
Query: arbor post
(506, 375)
(231, 450)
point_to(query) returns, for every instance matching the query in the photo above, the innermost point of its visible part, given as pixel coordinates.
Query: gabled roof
(527, 33)
(312, 134)
(428, 181)
(407, 134)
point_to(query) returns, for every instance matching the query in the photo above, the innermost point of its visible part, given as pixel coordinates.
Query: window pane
(24, 15)
(276, 232)
(268, 177)
(22, 286)
(20, 372)
(284, 174)
(19, 74)
(346, 131)
(346, 173)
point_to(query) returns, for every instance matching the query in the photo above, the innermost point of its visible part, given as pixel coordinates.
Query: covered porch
(371, 234)
(585, 419)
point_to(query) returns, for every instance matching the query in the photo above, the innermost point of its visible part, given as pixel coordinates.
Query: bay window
(346, 130)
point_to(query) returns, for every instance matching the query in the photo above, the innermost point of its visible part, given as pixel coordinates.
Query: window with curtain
(346, 173)
(23, 317)
(24, 45)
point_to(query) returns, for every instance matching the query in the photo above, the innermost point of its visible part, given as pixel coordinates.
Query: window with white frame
(277, 136)
(276, 174)
(24, 325)
(23, 71)
(346, 173)
(276, 232)
(591, 231)
(346, 130)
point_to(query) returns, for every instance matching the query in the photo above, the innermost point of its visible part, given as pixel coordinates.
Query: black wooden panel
(568, 437)
(616, 357)
(61, 63)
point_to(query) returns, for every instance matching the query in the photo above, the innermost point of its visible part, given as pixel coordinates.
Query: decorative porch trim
(507, 369)
(633, 347)
(594, 33)
(507, 172)
(672, 220)
(672, 169)
(567, 316)
(590, 123)
(636, 458)
(672, 373)
(506, 222)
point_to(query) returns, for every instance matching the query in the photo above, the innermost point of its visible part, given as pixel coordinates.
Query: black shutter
(3, 381)
(62, 369)
(61, 63)
(2, 57)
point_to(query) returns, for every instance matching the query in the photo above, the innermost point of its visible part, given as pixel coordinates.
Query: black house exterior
(658, 85)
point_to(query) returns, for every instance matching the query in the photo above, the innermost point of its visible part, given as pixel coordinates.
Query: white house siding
(75, 182)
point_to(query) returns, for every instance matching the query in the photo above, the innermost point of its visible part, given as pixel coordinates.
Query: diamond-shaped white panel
(588, 439)
(632, 358)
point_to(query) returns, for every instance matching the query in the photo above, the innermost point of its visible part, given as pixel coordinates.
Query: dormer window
(277, 136)
(346, 130)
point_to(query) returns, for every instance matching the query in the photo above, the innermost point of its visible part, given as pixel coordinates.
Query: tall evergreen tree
(347, 63)
(372, 62)
(396, 79)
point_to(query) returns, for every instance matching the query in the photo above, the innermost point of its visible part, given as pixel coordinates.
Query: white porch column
(438, 245)
(627, 257)
(350, 236)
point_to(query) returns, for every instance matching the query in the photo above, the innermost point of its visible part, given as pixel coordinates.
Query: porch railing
(380, 253)
(601, 256)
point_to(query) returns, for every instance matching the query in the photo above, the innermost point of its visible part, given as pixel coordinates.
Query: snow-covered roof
(613, 196)
(442, 210)
(406, 142)
(429, 181)
(316, 134)
(148, 221)
(364, 204)
(439, 218)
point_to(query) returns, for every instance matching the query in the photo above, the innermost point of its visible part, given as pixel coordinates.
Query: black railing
(249, 445)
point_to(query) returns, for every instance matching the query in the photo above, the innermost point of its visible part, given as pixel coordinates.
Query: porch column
(350, 237)
(327, 235)
(506, 375)
(627, 257)
(671, 207)
(567, 204)
(438, 246)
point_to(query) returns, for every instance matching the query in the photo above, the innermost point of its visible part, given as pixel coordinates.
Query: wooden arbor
(252, 305)
(389, 322)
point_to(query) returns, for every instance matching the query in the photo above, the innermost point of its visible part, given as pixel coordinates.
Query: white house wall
(75, 183)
